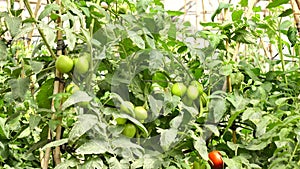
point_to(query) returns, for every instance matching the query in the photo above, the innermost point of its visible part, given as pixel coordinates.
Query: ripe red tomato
(216, 160)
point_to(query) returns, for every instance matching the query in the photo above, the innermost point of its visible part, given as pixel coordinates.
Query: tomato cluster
(190, 93)
(65, 64)
(138, 112)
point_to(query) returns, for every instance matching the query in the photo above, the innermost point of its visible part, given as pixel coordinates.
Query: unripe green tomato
(81, 65)
(140, 113)
(72, 88)
(104, 5)
(126, 106)
(129, 130)
(120, 120)
(192, 92)
(198, 85)
(64, 64)
(178, 89)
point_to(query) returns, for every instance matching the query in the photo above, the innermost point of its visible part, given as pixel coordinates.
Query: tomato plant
(144, 91)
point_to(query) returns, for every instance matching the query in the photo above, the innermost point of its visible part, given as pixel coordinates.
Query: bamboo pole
(60, 45)
(58, 87)
(37, 7)
(296, 9)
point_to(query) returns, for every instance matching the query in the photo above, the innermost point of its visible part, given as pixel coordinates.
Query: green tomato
(120, 120)
(192, 92)
(72, 88)
(126, 106)
(198, 85)
(161, 79)
(178, 89)
(104, 5)
(81, 65)
(140, 113)
(129, 130)
(64, 64)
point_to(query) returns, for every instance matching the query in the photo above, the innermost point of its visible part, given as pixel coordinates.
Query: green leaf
(49, 32)
(221, 6)
(136, 39)
(172, 31)
(43, 96)
(36, 66)
(167, 137)
(48, 9)
(149, 38)
(226, 70)
(19, 87)
(156, 60)
(93, 163)
(71, 38)
(200, 146)
(85, 123)
(24, 30)
(255, 145)
(34, 120)
(276, 3)
(244, 3)
(286, 13)
(237, 15)
(24, 133)
(292, 35)
(3, 129)
(55, 143)
(13, 25)
(114, 163)
(3, 52)
(155, 106)
(232, 119)
(93, 147)
(70, 163)
(217, 109)
(285, 24)
(175, 13)
(77, 97)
